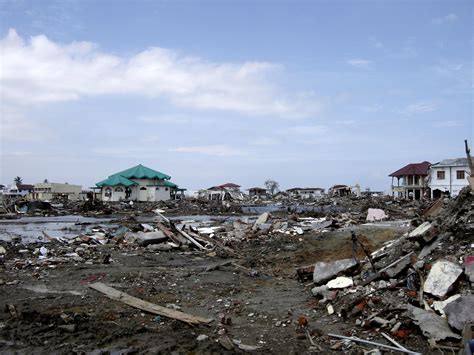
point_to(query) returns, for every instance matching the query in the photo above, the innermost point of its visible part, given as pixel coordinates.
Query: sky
(307, 93)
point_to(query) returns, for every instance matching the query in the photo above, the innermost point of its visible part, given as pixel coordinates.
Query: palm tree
(18, 180)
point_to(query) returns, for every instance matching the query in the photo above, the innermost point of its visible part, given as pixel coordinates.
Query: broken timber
(148, 306)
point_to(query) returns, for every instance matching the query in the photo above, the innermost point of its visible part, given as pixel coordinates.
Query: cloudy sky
(309, 93)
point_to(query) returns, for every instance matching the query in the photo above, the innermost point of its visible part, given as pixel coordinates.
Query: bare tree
(272, 186)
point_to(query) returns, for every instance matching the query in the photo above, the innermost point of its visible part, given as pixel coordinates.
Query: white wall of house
(140, 192)
(451, 182)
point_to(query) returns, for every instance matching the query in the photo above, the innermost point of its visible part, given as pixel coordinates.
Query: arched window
(108, 192)
(118, 189)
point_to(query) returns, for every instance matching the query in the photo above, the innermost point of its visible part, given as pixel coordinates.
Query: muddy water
(30, 229)
(34, 229)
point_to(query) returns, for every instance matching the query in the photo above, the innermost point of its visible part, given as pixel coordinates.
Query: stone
(460, 312)
(375, 214)
(433, 326)
(202, 337)
(263, 218)
(160, 247)
(439, 305)
(397, 268)
(420, 230)
(2, 250)
(340, 282)
(442, 276)
(330, 309)
(326, 271)
(148, 238)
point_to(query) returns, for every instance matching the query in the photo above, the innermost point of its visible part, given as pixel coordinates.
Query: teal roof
(115, 180)
(142, 172)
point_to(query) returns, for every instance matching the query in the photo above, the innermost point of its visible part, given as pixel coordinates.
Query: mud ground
(263, 309)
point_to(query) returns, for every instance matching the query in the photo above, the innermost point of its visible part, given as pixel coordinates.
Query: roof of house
(340, 186)
(453, 162)
(229, 185)
(137, 172)
(115, 180)
(142, 172)
(413, 169)
(257, 188)
(306, 189)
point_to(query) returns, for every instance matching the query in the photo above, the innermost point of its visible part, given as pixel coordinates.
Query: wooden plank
(147, 306)
(169, 233)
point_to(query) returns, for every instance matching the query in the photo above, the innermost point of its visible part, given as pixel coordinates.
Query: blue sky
(309, 93)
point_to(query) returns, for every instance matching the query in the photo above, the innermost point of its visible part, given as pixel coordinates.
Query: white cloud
(360, 63)
(40, 70)
(444, 19)
(418, 108)
(219, 150)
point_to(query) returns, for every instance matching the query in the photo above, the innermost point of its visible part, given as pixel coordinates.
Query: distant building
(139, 183)
(448, 177)
(257, 192)
(52, 190)
(411, 181)
(17, 190)
(225, 192)
(306, 192)
(340, 190)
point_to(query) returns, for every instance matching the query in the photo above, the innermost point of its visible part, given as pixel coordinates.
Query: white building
(448, 177)
(225, 192)
(52, 190)
(139, 183)
(306, 192)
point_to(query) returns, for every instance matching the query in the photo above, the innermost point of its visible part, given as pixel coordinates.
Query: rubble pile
(421, 283)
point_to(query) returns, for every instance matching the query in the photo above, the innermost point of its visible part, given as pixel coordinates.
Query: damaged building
(139, 183)
(411, 181)
(306, 192)
(448, 177)
(225, 192)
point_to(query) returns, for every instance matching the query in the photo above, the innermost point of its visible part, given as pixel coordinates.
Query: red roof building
(411, 181)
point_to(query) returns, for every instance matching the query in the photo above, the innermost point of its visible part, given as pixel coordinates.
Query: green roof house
(139, 183)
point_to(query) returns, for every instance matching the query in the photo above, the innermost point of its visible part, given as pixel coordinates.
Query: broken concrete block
(439, 305)
(160, 247)
(442, 276)
(427, 249)
(157, 237)
(433, 326)
(396, 269)
(326, 271)
(420, 230)
(375, 214)
(263, 218)
(460, 312)
(340, 282)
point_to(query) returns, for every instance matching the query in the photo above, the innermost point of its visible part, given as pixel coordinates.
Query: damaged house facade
(139, 183)
(411, 181)
(448, 177)
(257, 192)
(306, 192)
(51, 190)
(225, 192)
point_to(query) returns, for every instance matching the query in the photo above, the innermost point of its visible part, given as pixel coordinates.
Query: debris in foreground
(148, 306)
